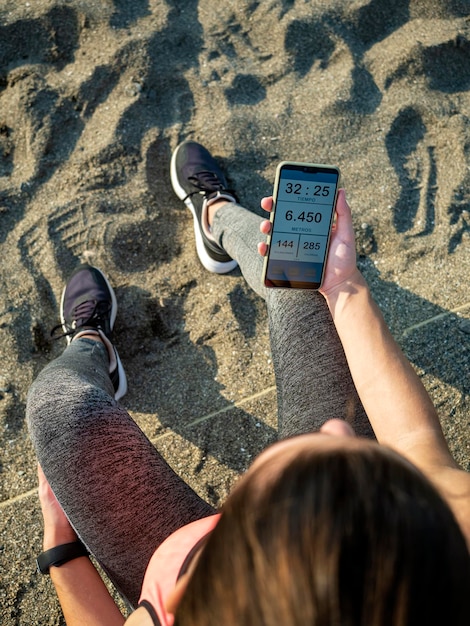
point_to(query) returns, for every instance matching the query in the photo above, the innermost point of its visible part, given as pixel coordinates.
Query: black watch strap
(59, 555)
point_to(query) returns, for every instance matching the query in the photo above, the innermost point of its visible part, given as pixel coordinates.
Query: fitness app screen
(302, 221)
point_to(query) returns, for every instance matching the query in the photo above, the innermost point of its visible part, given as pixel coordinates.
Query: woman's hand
(341, 262)
(57, 528)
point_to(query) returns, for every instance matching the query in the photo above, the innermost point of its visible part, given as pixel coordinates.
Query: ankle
(215, 206)
(99, 336)
(89, 334)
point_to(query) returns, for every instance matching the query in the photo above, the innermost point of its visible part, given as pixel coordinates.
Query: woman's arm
(399, 408)
(396, 402)
(82, 593)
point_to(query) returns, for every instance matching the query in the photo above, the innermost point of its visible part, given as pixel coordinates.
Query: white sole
(122, 389)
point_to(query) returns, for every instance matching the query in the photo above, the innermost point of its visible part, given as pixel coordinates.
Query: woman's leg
(119, 494)
(312, 376)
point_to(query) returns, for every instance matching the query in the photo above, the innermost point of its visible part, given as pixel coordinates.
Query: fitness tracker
(60, 555)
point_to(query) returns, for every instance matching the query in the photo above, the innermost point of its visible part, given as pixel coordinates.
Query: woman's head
(331, 530)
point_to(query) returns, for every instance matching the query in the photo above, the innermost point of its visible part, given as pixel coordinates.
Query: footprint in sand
(424, 142)
(414, 162)
(433, 200)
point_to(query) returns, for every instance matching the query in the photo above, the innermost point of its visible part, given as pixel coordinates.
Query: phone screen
(305, 199)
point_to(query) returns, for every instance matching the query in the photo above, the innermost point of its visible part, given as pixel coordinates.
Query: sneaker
(198, 181)
(89, 306)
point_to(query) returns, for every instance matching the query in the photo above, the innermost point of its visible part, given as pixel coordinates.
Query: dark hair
(336, 538)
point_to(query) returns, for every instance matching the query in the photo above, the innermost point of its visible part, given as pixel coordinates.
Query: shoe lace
(207, 182)
(88, 313)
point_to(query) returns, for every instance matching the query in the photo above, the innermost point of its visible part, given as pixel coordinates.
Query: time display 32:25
(299, 189)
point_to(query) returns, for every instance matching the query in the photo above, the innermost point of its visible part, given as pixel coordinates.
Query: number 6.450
(310, 216)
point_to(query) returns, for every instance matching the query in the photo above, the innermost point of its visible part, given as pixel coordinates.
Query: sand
(94, 96)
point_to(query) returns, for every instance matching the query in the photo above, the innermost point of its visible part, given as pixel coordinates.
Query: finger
(343, 226)
(342, 206)
(337, 428)
(265, 227)
(262, 248)
(267, 203)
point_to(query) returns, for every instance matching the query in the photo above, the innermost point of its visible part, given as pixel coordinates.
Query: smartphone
(302, 216)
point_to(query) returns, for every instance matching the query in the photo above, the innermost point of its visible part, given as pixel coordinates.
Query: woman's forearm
(396, 402)
(83, 595)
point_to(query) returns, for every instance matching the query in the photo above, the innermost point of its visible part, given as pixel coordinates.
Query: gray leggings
(120, 495)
